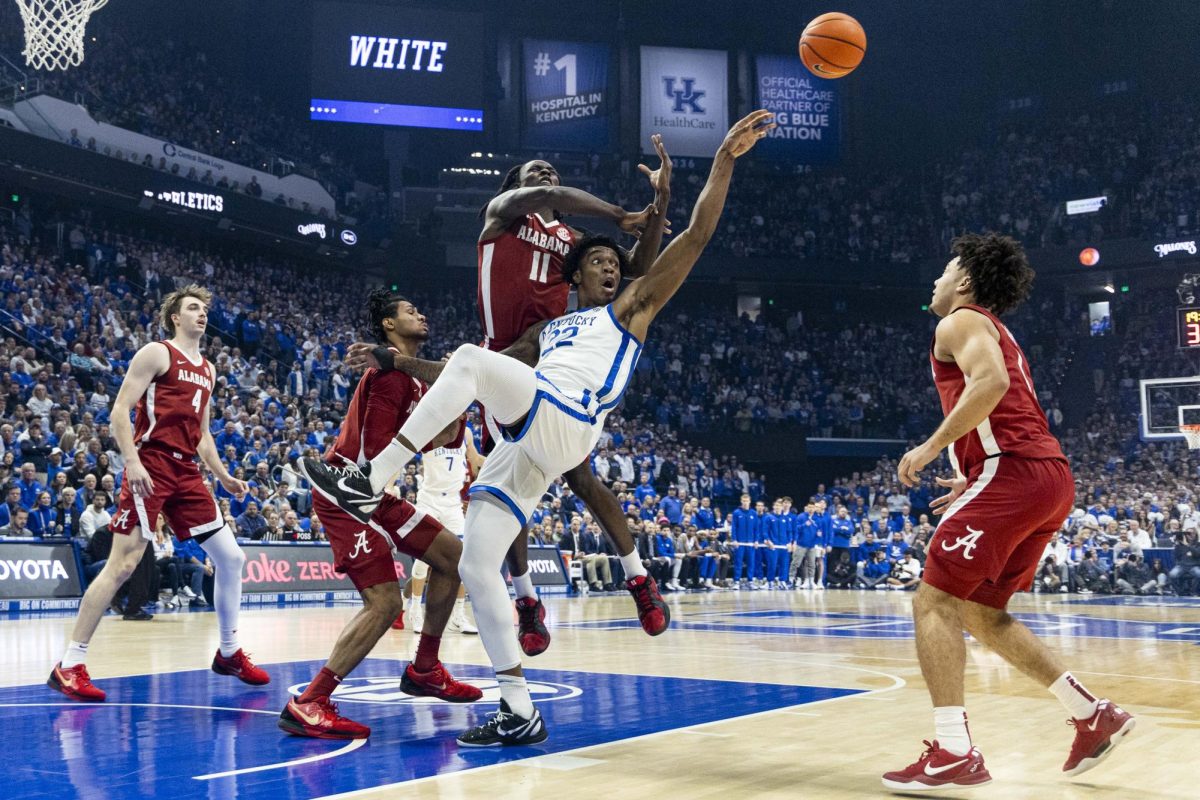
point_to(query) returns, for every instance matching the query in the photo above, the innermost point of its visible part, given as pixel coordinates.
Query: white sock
(523, 586)
(76, 654)
(459, 605)
(950, 729)
(1078, 701)
(228, 560)
(515, 692)
(632, 563)
(386, 466)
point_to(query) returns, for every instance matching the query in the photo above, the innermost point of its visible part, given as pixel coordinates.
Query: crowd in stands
(71, 321)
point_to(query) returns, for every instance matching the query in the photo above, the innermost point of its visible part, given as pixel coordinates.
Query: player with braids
(362, 549)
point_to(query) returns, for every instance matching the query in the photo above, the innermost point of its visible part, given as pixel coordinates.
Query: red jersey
(168, 415)
(1017, 425)
(520, 278)
(381, 404)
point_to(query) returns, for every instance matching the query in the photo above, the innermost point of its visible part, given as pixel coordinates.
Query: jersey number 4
(196, 400)
(540, 271)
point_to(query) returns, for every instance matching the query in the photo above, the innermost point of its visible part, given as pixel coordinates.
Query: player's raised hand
(660, 179)
(746, 132)
(636, 222)
(138, 479)
(956, 485)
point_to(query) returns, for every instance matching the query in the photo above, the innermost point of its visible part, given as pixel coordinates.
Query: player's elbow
(995, 385)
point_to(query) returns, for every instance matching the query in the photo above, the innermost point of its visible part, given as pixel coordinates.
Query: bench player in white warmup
(553, 414)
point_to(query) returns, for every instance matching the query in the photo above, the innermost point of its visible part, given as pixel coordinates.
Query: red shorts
(180, 495)
(991, 539)
(364, 552)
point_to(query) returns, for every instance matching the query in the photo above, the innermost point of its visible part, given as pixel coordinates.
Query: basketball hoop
(54, 31)
(1192, 434)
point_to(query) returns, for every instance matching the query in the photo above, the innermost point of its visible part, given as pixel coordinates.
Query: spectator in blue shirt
(897, 547)
(874, 573)
(42, 518)
(250, 524)
(30, 486)
(743, 530)
(644, 489)
(672, 508)
(841, 532)
(704, 518)
(194, 569)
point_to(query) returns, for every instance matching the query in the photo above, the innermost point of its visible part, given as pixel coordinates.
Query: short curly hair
(173, 303)
(1001, 277)
(574, 259)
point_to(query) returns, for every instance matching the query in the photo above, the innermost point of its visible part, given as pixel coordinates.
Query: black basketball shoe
(348, 486)
(507, 729)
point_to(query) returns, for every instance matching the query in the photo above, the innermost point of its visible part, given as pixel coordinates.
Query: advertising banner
(568, 101)
(300, 568)
(36, 570)
(546, 566)
(685, 97)
(807, 112)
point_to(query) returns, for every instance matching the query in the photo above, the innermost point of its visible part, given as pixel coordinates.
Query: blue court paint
(158, 733)
(789, 622)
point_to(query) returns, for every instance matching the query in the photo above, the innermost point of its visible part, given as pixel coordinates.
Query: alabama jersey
(520, 278)
(381, 404)
(1016, 426)
(169, 413)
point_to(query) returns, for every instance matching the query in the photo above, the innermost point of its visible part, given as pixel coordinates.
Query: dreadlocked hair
(1001, 277)
(574, 260)
(381, 304)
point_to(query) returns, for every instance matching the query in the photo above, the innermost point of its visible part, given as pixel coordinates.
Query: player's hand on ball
(956, 485)
(361, 357)
(747, 131)
(913, 462)
(138, 479)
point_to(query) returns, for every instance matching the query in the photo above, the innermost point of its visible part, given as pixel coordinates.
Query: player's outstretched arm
(642, 255)
(147, 364)
(646, 296)
(970, 339)
(516, 203)
(362, 356)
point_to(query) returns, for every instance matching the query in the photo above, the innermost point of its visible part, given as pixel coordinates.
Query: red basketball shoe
(939, 769)
(398, 622)
(241, 667)
(653, 612)
(1097, 736)
(438, 683)
(531, 626)
(75, 683)
(319, 719)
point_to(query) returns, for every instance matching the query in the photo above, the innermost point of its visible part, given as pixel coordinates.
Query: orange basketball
(833, 45)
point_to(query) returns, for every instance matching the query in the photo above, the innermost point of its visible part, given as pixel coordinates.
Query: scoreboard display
(1188, 323)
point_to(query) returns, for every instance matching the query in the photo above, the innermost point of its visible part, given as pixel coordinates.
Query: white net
(1192, 434)
(54, 31)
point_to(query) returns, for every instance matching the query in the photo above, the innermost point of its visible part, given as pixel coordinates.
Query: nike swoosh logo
(342, 485)
(305, 718)
(181, 362)
(939, 770)
(1095, 722)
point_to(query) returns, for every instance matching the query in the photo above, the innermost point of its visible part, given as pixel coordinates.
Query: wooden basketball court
(750, 694)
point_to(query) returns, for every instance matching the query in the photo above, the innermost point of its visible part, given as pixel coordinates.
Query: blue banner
(808, 112)
(567, 95)
(685, 97)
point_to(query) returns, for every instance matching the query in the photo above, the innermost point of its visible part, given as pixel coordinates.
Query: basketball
(833, 45)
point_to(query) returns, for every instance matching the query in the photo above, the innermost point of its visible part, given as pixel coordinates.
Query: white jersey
(587, 360)
(443, 473)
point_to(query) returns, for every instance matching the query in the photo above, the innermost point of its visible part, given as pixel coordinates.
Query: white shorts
(522, 466)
